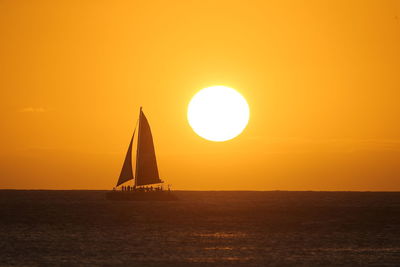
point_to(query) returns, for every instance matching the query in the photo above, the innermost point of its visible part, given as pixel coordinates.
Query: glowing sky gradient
(321, 79)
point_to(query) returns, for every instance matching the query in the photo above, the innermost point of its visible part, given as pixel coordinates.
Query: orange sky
(322, 79)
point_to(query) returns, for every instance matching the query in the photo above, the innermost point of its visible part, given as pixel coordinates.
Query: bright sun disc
(218, 113)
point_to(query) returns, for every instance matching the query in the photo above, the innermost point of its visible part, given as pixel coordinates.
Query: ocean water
(201, 229)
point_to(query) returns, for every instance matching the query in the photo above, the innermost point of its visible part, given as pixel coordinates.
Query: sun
(218, 113)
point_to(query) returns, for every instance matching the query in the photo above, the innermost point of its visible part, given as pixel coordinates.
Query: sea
(202, 228)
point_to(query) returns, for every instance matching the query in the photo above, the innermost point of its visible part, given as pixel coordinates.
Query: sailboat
(147, 184)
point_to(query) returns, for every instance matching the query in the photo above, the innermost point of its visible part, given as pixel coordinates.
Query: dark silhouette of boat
(147, 184)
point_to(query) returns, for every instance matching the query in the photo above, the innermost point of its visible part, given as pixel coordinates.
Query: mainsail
(146, 163)
(126, 172)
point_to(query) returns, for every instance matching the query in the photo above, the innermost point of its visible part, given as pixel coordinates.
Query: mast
(137, 148)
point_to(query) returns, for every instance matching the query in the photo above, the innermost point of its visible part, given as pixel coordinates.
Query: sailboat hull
(141, 196)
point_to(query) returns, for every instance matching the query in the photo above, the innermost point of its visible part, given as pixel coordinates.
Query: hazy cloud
(32, 109)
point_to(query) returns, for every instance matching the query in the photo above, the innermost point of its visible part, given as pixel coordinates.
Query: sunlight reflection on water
(222, 235)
